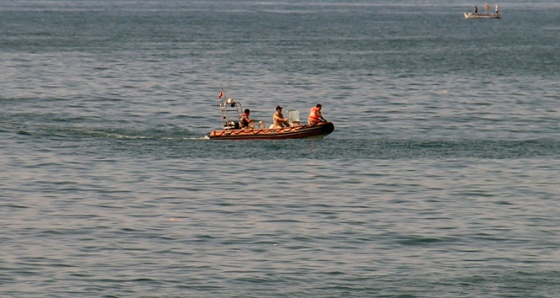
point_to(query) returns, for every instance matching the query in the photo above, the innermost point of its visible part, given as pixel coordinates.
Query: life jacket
(243, 121)
(314, 114)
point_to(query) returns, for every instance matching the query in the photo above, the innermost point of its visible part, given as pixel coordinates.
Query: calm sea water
(440, 180)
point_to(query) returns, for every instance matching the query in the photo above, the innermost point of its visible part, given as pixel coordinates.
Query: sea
(441, 178)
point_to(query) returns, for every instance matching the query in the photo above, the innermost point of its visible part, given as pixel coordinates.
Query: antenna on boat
(227, 107)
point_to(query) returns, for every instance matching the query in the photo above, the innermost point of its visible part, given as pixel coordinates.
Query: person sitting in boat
(278, 119)
(315, 115)
(245, 121)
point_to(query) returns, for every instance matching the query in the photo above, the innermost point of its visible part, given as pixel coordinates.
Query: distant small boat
(231, 112)
(472, 15)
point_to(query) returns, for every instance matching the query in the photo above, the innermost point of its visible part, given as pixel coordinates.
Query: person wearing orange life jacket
(245, 121)
(315, 115)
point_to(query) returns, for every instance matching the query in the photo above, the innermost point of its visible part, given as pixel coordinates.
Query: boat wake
(77, 133)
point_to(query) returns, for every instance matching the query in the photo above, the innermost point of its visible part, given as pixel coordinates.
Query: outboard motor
(232, 125)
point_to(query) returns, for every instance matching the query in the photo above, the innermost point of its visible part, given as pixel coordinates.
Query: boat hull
(300, 132)
(472, 15)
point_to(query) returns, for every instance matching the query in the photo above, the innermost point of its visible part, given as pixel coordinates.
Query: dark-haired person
(245, 121)
(315, 115)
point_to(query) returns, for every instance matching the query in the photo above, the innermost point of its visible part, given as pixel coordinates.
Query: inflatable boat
(231, 111)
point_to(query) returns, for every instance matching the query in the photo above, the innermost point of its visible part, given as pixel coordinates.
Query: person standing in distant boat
(475, 9)
(497, 11)
(245, 121)
(278, 119)
(315, 115)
